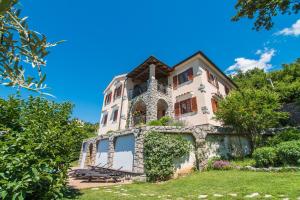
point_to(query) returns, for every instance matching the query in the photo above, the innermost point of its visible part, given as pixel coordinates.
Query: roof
(113, 80)
(209, 61)
(141, 70)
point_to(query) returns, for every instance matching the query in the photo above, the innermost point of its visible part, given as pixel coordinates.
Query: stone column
(151, 100)
(138, 159)
(200, 145)
(111, 151)
(151, 72)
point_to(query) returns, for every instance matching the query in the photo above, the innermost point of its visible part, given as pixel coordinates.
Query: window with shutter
(104, 120)
(194, 104)
(226, 90)
(108, 98)
(186, 106)
(212, 79)
(118, 92)
(214, 104)
(115, 115)
(190, 74)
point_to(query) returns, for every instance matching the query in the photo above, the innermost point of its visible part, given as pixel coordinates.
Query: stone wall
(150, 98)
(208, 140)
(294, 110)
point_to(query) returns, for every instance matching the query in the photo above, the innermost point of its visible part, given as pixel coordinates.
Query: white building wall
(120, 103)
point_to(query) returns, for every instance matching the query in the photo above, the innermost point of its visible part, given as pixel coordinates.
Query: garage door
(102, 153)
(124, 151)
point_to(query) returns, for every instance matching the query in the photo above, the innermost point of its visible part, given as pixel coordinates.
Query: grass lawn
(216, 184)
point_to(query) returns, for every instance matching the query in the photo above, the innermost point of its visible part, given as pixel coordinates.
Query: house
(188, 91)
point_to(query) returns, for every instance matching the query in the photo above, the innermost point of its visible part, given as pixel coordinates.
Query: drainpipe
(121, 109)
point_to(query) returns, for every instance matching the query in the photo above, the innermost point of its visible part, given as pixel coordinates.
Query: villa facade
(188, 91)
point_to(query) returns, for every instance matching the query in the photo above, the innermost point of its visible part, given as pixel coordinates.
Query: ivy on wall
(160, 152)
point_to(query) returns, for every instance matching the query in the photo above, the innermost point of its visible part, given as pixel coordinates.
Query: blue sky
(107, 38)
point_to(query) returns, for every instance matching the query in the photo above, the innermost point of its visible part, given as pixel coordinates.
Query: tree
(20, 48)
(37, 145)
(251, 111)
(264, 11)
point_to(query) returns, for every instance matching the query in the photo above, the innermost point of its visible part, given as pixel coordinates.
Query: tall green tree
(21, 48)
(38, 141)
(264, 10)
(251, 111)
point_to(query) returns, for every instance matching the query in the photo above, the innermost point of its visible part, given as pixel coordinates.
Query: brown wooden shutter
(194, 104)
(190, 74)
(208, 76)
(177, 109)
(214, 105)
(175, 82)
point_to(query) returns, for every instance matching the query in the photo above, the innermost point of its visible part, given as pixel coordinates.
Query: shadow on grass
(72, 193)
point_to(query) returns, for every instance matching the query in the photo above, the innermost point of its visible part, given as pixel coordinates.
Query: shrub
(211, 161)
(221, 165)
(166, 120)
(34, 159)
(289, 152)
(283, 136)
(155, 123)
(160, 152)
(265, 156)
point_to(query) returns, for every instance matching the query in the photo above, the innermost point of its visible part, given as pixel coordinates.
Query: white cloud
(245, 64)
(294, 30)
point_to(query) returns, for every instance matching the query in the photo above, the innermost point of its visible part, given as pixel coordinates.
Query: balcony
(144, 87)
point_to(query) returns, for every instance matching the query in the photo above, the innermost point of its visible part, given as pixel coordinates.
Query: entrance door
(102, 153)
(124, 152)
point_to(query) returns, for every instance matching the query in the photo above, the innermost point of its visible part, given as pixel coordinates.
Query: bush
(284, 136)
(160, 152)
(37, 148)
(289, 152)
(155, 123)
(265, 157)
(221, 165)
(166, 121)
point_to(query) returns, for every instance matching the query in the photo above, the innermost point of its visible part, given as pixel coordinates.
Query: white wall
(114, 104)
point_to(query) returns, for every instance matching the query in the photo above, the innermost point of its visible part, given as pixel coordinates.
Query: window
(104, 119)
(108, 99)
(226, 90)
(115, 115)
(186, 106)
(214, 104)
(212, 79)
(183, 77)
(118, 92)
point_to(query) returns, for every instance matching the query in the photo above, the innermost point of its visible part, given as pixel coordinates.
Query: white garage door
(124, 151)
(102, 153)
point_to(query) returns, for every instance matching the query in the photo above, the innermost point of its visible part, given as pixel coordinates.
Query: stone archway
(139, 113)
(162, 108)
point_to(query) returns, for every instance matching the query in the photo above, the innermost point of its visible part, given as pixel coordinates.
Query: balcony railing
(143, 87)
(162, 88)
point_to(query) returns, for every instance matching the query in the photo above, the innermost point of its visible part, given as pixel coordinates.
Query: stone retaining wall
(204, 136)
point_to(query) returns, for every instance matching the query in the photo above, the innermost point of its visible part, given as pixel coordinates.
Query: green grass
(206, 183)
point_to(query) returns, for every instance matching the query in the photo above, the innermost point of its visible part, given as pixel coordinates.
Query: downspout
(121, 109)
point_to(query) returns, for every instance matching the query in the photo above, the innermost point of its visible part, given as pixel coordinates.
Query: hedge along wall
(187, 163)
(227, 146)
